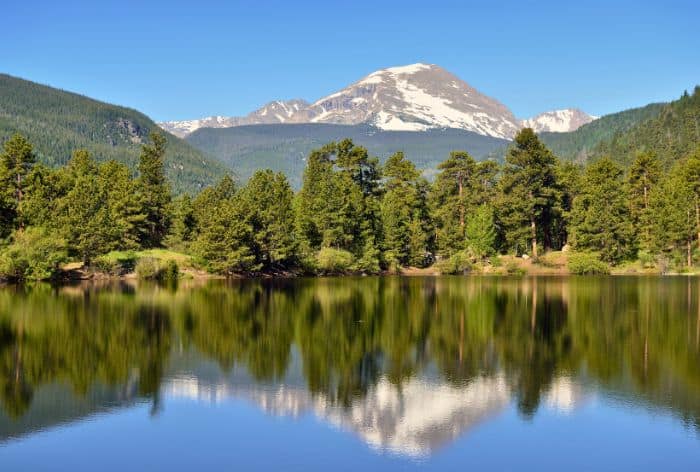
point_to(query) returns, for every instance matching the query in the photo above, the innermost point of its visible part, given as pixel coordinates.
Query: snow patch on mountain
(558, 121)
(415, 97)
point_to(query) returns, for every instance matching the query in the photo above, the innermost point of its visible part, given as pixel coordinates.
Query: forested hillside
(59, 122)
(581, 144)
(672, 134)
(285, 147)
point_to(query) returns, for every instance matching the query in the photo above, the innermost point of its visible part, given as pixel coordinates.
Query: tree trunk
(689, 252)
(533, 234)
(697, 219)
(19, 201)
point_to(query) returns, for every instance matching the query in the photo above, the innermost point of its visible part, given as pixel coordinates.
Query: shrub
(646, 259)
(150, 268)
(513, 268)
(147, 268)
(586, 263)
(170, 272)
(34, 254)
(115, 263)
(334, 260)
(458, 263)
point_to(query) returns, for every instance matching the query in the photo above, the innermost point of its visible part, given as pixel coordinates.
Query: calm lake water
(446, 373)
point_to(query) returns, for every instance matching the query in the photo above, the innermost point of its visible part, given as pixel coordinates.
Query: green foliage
(339, 203)
(458, 263)
(406, 224)
(154, 191)
(671, 135)
(267, 205)
(580, 145)
(170, 272)
(600, 218)
(59, 122)
(334, 261)
(530, 205)
(224, 237)
(643, 176)
(184, 223)
(115, 263)
(480, 232)
(147, 268)
(674, 205)
(586, 263)
(17, 160)
(151, 268)
(33, 254)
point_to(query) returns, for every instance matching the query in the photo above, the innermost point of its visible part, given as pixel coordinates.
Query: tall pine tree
(531, 194)
(600, 218)
(154, 191)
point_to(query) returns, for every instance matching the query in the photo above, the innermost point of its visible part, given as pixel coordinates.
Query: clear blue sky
(178, 60)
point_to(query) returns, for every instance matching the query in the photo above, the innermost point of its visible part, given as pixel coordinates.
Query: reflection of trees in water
(639, 336)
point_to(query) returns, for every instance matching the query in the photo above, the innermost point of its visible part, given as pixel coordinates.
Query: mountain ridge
(415, 97)
(58, 122)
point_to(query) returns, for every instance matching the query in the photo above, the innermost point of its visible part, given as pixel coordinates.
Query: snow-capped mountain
(558, 121)
(279, 111)
(416, 97)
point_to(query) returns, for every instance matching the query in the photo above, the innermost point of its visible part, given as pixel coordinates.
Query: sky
(182, 60)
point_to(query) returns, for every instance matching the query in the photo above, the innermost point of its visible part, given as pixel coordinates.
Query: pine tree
(224, 237)
(338, 205)
(600, 218)
(84, 213)
(184, 223)
(154, 191)
(267, 205)
(17, 159)
(126, 214)
(691, 171)
(451, 191)
(318, 203)
(643, 176)
(480, 232)
(531, 195)
(674, 210)
(401, 210)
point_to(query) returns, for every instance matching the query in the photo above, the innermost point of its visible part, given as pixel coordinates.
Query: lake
(374, 373)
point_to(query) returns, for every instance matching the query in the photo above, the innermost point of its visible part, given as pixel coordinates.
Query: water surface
(446, 373)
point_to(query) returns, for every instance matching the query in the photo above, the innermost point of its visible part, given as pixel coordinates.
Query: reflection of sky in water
(468, 376)
(235, 433)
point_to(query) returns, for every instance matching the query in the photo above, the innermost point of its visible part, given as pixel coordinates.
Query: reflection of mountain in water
(413, 419)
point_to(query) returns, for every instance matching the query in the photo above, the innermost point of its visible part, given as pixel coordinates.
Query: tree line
(352, 213)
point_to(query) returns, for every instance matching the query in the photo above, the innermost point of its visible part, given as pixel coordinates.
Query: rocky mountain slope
(558, 121)
(416, 97)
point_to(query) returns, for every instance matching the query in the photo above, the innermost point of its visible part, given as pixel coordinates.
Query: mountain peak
(559, 121)
(413, 97)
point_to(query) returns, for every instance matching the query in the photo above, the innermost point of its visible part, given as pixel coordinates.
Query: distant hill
(581, 144)
(673, 133)
(284, 147)
(59, 122)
